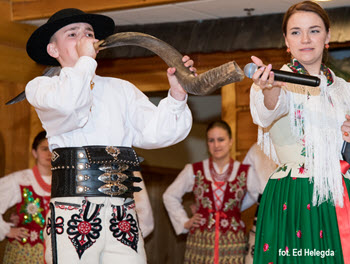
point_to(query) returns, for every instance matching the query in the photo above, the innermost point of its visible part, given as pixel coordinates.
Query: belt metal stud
(81, 189)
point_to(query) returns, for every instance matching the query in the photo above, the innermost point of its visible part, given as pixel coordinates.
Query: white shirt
(114, 112)
(184, 183)
(10, 193)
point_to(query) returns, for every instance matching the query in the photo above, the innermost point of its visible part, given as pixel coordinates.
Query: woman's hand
(193, 222)
(264, 77)
(345, 129)
(18, 233)
(176, 90)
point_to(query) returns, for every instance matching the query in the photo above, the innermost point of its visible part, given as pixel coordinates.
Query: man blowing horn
(91, 124)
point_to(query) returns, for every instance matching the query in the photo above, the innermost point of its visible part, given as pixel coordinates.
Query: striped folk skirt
(200, 247)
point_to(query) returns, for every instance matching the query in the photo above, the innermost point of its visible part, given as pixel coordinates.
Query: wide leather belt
(94, 171)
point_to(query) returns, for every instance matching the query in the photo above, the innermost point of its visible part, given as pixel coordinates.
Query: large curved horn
(203, 84)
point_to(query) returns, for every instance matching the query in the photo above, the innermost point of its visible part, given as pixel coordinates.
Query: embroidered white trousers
(93, 230)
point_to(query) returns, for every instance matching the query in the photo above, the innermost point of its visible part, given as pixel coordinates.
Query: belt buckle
(108, 168)
(112, 176)
(113, 189)
(113, 179)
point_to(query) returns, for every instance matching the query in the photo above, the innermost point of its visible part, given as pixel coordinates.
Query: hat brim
(37, 44)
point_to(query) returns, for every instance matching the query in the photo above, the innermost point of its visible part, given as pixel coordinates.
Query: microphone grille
(250, 69)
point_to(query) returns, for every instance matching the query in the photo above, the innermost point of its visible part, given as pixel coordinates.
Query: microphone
(345, 151)
(284, 76)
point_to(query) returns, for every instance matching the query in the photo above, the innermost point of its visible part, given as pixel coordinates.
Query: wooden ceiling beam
(40, 9)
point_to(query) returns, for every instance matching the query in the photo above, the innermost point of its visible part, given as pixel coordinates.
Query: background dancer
(29, 190)
(216, 233)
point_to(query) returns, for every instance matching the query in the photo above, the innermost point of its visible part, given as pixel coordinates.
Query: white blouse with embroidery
(304, 131)
(184, 183)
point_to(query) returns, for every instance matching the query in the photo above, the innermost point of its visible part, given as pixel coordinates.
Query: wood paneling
(14, 128)
(25, 10)
(15, 66)
(246, 130)
(163, 246)
(14, 135)
(35, 128)
(13, 34)
(15, 71)
(228, 112)
(242, 93)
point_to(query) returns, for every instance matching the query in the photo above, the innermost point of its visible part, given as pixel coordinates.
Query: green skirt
(291, 230)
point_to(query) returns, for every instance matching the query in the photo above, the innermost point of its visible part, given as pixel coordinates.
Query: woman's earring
(326, 46)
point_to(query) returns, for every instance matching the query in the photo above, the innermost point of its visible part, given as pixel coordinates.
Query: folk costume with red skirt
(31, 194)
(221, 235)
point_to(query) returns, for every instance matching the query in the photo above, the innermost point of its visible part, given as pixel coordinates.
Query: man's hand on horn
(176, 90)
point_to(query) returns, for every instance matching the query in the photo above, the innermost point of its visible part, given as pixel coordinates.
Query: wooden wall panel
(14, 135)
(147, 74)
(163, 246)
(228, 112)
(35, 128)
(15, 66)
(14, 128)
(242, 92)
(246, 131)
(25, 10)
(13, 34)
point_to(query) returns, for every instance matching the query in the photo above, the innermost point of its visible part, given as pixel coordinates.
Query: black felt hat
(36, 46)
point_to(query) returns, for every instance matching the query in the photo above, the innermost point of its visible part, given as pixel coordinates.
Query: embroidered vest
(32, 212)
(229, 215)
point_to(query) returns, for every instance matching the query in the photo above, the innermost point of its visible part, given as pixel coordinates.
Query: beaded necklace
(45, 186)
(220, 177)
